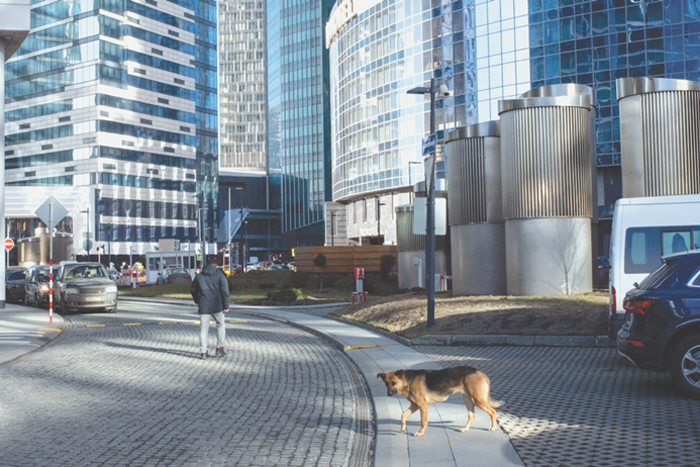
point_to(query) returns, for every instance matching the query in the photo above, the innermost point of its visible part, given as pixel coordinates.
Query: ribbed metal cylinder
(474, 174)
(547, 162)
(476, 210)
(546, 155)
(660, 136)
(405, 239)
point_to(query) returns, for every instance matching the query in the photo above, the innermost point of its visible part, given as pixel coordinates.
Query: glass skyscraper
(299, 115)
(119, 97)
(242, 86)
(486, 51)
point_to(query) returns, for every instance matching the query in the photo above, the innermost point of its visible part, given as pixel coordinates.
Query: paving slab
(25, 329)
(442, 445)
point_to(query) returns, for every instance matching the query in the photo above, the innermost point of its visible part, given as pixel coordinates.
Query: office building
(299, 117)
(242, 87)
(484, 51)
(119, 100)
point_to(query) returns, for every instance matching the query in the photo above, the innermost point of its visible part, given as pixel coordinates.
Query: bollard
(359, 275)
(358, 297)
(134, 273)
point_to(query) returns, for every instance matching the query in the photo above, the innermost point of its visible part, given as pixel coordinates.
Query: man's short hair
(213, 261)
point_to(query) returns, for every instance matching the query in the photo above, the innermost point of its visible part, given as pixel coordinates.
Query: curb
(437, 340)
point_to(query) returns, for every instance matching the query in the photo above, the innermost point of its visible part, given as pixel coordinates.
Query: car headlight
(71, 290)
(44, 288)
(111, 288)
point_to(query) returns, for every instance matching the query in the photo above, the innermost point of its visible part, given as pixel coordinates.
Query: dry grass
(405, 315)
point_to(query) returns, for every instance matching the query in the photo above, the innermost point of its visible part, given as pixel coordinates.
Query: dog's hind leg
(483, 404)
(470, 408)
(407, 413)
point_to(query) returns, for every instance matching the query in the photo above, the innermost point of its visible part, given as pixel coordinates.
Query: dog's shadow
(413, 426)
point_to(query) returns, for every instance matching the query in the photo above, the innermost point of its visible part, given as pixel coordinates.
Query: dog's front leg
(423, 419)
(407, 413)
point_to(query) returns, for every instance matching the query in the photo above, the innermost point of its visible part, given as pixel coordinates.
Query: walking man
(210, 291)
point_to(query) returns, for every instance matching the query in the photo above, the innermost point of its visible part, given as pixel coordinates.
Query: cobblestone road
(574, 407)
(128, 390)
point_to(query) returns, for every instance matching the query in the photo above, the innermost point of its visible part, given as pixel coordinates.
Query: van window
(675, 242)
(644, 246)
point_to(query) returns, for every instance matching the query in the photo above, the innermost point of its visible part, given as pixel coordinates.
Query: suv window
(84, 272)
(671, 273)
(17, 276)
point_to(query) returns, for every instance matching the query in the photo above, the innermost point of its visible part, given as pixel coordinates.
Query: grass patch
(268, 288)
(406, 315)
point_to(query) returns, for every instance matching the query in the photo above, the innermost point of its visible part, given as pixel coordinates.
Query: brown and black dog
(423, 387)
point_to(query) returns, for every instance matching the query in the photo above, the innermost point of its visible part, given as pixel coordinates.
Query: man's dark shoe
(203, 356)
(220, 352)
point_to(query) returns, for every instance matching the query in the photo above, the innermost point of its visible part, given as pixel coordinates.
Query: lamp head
(444, 91)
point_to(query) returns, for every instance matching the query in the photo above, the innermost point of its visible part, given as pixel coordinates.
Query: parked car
(170, 275)
(661, 330)
(114, 275)
(14, 284)
(84, 286)
(36, 285)
(643, 230)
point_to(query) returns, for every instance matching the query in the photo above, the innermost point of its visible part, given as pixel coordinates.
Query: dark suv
(661, 331)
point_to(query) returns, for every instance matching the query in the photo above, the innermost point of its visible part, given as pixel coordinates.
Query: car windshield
(176, 271)
(17, 276)
(42, 275)
(84, 272)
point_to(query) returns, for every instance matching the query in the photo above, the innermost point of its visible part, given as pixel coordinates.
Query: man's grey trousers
(204, 330)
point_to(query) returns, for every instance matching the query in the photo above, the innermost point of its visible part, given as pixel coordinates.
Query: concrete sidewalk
(24, 329)
(442, 445)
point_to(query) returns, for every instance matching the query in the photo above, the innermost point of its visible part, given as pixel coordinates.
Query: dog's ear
(382, 376)
(399, 374)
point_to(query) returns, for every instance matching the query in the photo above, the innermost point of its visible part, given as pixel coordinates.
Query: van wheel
(685, 365)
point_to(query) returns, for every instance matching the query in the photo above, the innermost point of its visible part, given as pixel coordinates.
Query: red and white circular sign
(9, 244)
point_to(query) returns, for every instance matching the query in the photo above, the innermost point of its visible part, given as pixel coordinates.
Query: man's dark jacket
(210, 290)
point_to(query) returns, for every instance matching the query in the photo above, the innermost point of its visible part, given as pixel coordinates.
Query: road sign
(429, 144)
(59, 212)
(87, 245)
(9, 244)
(420, 210)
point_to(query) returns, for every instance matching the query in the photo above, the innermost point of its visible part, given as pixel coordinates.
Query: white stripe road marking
(18, 336)
(20, 342)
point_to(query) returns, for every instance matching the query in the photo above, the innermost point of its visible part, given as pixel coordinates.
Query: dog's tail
(496, 404)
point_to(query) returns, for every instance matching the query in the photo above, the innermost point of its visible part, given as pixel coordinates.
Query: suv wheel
(62, 307)
(685, 365)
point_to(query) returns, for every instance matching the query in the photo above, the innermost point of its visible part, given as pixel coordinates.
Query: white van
(644, 230)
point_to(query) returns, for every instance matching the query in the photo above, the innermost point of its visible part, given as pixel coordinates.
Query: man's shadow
(180, 353)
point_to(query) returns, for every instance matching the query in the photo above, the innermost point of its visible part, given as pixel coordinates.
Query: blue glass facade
(299, 115)
(594, 43)
(486, 51)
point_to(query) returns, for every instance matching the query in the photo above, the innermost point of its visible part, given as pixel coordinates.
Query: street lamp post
(332, 228)
(379, 221)
(87, 242)
(430, 208)
(410, 179)
(201, 224)
(230, 232)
